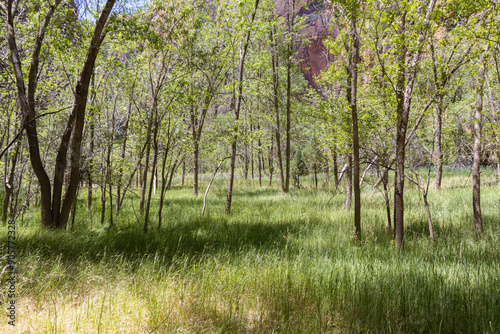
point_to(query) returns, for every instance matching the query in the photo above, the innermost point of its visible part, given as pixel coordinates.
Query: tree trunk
(401, 128)
(336, 170)
(429, 218)
(404, 94)
(144, 175)
(288, 115)
(315, 176)
(439, 150)
(385, 182)
(196, 164)
(183, 171)
(122, 156)
(327, 173)
(348, 199)
(354, 114)
(91, 164)
(259, 157)
(271, 164)
(109, 172)
(476, 174)
(153, 174)
(274, 61)
(27, 104)
(9, 182)
(80, 104)
(103, 187)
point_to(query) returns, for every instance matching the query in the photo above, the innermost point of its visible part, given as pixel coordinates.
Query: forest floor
(275, 265)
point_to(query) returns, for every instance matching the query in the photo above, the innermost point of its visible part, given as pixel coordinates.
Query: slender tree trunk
(429, 218)
(315, 171)
(137, 169)
(9, 184)
(274, 61)
(439, 150)
(336, 170)
(155, 162)
(327, 173)
(404, 93)
(288, 151)
(196, 150)
(348, 199)
(252, 163)
(196, 164)
(91, 165)
(109, 172)
(183, 171)
(476, 173)
(109, 168)
(122, 156)
(259, 157)
(245, 147)
(110, 185)
(103, 187)
(163, 178)
(385, 182)
(354, 114)
(14, 202)
(271, 164)
(144, 175)
(172, 171)
(401, 127)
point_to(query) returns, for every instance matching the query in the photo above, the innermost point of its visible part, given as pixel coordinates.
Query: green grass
(275, 265)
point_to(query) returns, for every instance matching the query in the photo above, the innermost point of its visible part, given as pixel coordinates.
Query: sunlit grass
(275, 265)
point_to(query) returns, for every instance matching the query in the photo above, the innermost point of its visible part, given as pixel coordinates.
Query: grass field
(275, 265)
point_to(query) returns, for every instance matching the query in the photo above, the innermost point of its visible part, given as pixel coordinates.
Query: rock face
(313, 55)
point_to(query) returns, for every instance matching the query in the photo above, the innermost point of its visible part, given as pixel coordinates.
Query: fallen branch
(210, 184)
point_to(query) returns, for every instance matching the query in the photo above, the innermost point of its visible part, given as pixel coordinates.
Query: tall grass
(275, 265)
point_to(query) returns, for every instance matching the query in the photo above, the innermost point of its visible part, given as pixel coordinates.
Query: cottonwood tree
(250, 18)
(403, 26)
(54, 210)
(207, 53)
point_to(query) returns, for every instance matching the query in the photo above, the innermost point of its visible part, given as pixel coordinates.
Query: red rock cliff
(313, 56)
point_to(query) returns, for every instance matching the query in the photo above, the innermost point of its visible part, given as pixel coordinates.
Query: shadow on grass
(197, 237)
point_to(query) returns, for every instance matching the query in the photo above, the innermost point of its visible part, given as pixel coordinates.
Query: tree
(476, 174)
(407, 54)
(241, 67)
(298, 167)
(54, 211)
(314, 157)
